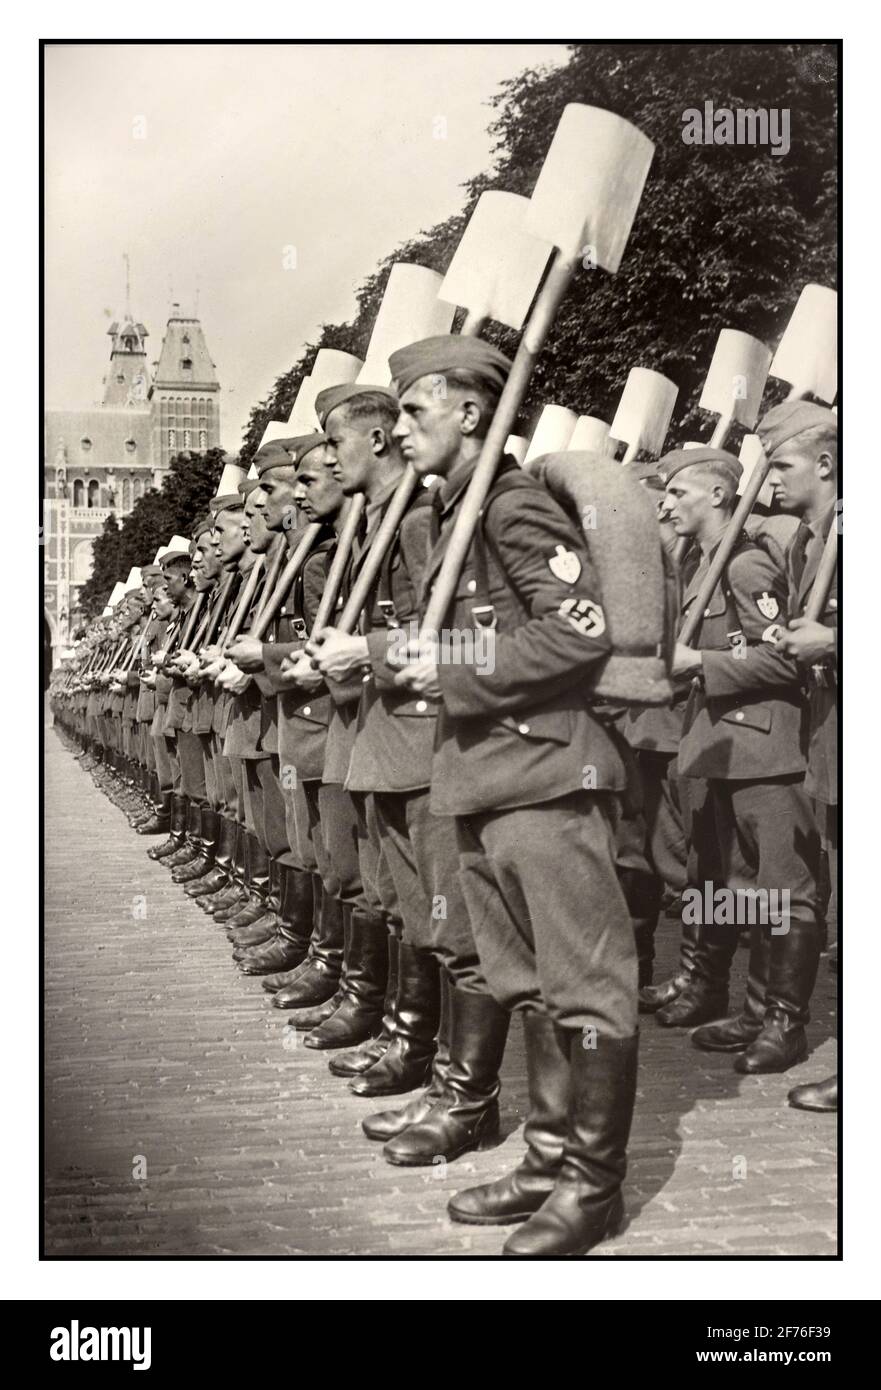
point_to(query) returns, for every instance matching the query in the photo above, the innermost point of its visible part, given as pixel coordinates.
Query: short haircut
(716, 474)
(485, 391)
(375, 406)
(821, 439)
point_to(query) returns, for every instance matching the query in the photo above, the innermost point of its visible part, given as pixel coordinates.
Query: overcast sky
(206, 163)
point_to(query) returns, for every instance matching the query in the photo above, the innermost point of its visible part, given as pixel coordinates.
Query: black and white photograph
(440, 532)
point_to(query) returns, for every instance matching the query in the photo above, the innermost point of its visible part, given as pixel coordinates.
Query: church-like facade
(100, 460)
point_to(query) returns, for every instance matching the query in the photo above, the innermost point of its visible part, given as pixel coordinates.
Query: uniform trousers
(302, 820)
(422, 854)
(549, 918)
(750, 834)
(192, 766)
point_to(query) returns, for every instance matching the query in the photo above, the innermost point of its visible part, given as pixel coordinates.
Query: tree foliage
(161, 513)
(726, 236)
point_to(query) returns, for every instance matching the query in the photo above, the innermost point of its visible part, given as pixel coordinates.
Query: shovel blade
(590, 185)
(497, 266)
(808, 353)
(410, 310)
(645, 410)
(736, 380)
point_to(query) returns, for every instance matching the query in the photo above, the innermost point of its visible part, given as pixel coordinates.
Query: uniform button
(307, 710)
(472, 585)
(706, 612)
(422, 706)
(523, 728)
(739, 714)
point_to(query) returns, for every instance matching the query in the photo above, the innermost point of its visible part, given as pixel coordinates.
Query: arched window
(126, 491)
(79, 493)
(188, 435)
(203, 439)
(171, 439)
(137, 489)
(94, 493)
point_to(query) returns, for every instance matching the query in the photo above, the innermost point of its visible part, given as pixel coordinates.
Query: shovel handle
(502, 424)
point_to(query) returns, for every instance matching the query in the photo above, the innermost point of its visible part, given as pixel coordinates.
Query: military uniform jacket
(205, 693)
(303, 716)
(146, 695)
(744, 717)
(244, 714)
(394, 742)
(802, 561)
(346, 695)
(517, 729)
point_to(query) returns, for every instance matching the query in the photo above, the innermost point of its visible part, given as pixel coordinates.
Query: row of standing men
(408, 846)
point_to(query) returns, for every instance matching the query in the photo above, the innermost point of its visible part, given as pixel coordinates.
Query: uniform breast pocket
(550, 726)
(756, 717)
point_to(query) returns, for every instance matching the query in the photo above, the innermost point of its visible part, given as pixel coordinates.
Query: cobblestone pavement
(176, 1123)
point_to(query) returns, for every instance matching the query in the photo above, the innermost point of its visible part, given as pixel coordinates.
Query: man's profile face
(162, 605)
(278, 507)
(176, 580)
(796, 476)
(349, 450)
(260, 538)
(317, 491)
(230, 537)
(428, 429)
(688, 501)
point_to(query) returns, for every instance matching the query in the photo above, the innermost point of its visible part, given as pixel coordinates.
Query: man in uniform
(753, 835)
(801, 442)
(391, 766)
(517, 749)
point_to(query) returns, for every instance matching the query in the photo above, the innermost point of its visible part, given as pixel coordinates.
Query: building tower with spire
(100, 461)
(185, 395)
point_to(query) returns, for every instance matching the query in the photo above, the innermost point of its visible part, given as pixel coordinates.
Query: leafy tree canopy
(725, 237)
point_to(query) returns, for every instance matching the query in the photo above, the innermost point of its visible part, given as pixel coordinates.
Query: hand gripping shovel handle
(380, 543)
(348, 532)
(548, 301)
(297, 559)
(243, 607)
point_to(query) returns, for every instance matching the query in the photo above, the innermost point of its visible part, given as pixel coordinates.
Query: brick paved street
(159, 1052)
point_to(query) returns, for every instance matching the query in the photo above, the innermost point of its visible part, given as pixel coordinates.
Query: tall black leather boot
(705, 996)
(218, 875)
(235, 891)
(654, 997)
(406, 1064)
(189, 850)
(385, 1124)
(362, 1058)
(255, 936)
(204, 861)
(643, 893)
(287, 947)
(586, 1204)
(816, 1095)
(280, 979)
(298, 921)
(736, 1034)
(518, 1194)
(160, 821)
(359, 1014)
(305, 1019)
(152, 799)
(316, 978)
(791, 979)
(465, 1115)
(178, 830)
(257, 884)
